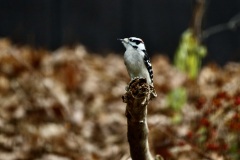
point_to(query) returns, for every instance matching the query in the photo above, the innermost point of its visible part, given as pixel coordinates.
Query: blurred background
(97, 24)
(62, 77)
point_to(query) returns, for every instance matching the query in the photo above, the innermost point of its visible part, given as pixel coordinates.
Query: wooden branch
(137, 97)
(232, 24)
(197, 18)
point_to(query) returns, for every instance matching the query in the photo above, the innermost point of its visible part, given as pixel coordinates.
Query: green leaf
(190, 52)
(177, 98)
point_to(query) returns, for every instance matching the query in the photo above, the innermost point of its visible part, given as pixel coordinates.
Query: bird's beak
(125, 40)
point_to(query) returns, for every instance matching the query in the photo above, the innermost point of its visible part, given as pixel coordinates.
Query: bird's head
(133, 42)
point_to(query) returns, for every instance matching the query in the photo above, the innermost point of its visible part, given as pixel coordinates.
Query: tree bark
(137, 97)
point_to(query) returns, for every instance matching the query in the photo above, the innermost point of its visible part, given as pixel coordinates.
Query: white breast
(135, 64)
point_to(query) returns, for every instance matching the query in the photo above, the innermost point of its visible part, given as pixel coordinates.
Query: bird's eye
(137, 41)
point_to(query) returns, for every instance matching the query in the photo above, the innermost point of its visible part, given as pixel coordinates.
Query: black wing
(148, 64)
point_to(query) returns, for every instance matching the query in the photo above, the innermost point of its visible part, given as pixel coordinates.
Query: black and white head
(133, 42)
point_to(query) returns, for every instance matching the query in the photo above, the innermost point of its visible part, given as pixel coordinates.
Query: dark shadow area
(97, 24)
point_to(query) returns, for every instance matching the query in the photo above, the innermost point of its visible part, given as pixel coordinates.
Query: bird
(137, 60)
